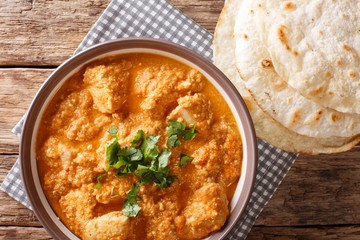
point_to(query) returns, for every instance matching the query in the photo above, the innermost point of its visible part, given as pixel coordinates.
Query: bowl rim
(137, 42)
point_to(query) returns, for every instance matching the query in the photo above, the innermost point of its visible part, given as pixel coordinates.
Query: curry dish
(138, 91)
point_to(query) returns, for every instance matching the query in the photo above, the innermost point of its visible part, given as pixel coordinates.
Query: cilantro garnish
(98, 185)
(176, 129)
(157, 171)
(143, 159)
(184, 159)
(131, 207)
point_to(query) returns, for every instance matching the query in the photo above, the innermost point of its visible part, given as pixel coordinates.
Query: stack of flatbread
(297, 65)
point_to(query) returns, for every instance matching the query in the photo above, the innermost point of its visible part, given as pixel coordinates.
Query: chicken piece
(113, 188)
(64, 112)
(207, 212)
(82, 128)
(160, 207)
(83, 169)
(207, 160)
(191, 109)
(56, 150)
(113, 225)
(78, 205)
(231, 151)
(162, 86)
(108, 85)
(167, 79)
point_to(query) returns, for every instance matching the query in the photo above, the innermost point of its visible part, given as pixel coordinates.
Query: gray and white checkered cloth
(160, 19)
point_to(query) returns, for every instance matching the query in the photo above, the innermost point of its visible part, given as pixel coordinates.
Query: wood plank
(17, 88)
(318, 190)
(44, 32)
(13, 213)
(47, 32)
(306, 233)
(21, 233)
(309, 195)
(278, 233)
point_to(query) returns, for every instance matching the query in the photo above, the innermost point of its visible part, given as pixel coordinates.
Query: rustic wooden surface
(318, 199)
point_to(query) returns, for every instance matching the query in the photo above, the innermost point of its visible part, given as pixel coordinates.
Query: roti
(275, 96)
(266, 127)
(315, 47)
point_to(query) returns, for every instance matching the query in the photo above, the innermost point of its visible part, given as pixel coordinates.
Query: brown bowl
(28, 163)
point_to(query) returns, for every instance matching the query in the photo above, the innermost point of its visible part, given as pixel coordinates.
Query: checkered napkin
(159, 19)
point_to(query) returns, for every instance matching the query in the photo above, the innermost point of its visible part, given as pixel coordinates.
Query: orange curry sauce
(132, 92)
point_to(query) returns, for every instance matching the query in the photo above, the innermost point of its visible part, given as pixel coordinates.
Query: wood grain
(278, 233)
(318, 190)
(40, 32)
(318, 199)
(326, 193)
(21, 233)
(305, 233)
(18, 86)
(13, 213)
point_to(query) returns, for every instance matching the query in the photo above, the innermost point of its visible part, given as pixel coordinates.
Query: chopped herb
(113, 131)
(189, 134)
(140, 136)
(112, 147)
(131, 208)
(134, 154)
(149, 148)
(184, 159)
(176, 129)
(157, 172)
(97, 186)
(164, 158)
(173, 141)
(144, 160)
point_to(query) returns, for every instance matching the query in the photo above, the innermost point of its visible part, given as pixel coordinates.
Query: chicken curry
(177, 156)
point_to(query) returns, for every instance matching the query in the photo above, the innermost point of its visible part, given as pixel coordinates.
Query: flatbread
(315, 47)
(266, 128)
(275, 96)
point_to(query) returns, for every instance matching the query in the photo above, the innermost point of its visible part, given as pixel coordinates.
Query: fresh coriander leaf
(131, 167)
(164, 180)
(149, 148)
(146, 177)
(112, 149)
(175, 127)
(140, 137)
(131, 207)
(160, 180)
(126, 151)
(121, 162)
(113, 131)
(137, 155)
(145, 174)
(134, 154)
(142, 169)
(121, 172)
(98, 185)
(164, 170)
(171, 178)
(173, 141)
(189, 134)
(164, 158)
(133, 192)
(184, 159)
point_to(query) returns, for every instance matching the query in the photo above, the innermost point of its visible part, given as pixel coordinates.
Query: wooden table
(319, 198)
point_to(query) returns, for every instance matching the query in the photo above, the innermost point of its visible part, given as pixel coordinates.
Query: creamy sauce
(133, 92)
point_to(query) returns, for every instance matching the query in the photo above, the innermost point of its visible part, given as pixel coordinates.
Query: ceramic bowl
(29, 170)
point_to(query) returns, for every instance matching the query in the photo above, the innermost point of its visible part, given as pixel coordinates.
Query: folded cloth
(160, 19)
